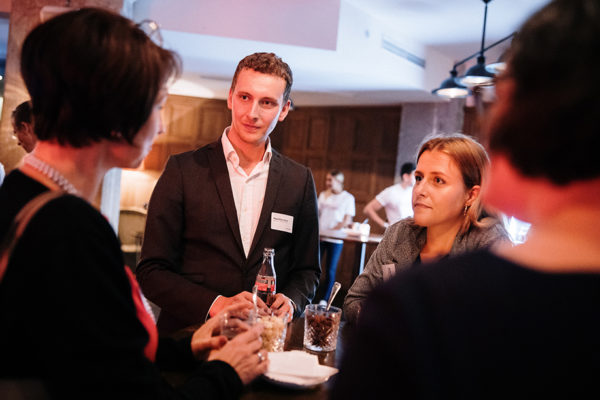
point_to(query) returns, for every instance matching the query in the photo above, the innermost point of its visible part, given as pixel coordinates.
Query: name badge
(282, 222)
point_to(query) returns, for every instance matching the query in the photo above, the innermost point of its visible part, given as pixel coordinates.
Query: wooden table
(360, 241)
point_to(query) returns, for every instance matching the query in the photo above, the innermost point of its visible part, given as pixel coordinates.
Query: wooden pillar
(422, 119)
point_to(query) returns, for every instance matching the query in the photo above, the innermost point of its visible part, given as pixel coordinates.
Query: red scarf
(144, 317)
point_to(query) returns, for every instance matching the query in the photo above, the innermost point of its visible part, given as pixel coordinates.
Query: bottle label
(265, 283)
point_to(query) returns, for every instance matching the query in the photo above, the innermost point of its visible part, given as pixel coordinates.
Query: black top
(476, 326)
(67, 316)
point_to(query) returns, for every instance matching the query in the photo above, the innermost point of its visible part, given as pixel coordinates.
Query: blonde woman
(448, 216)
(511, 321)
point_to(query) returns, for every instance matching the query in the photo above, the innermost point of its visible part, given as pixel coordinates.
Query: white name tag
(282, 222)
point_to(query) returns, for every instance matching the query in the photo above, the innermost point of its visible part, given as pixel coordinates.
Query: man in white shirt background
(395, 199)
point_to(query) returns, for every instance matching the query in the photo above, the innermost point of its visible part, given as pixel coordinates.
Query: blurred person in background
(396, 199)
(448, 216)
(513, 321)
(72, 316)
(23, 126)
(336, 211)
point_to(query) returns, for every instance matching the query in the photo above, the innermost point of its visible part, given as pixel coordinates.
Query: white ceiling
(334, 47)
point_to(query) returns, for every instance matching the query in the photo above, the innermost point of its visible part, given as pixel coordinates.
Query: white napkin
(299, 364)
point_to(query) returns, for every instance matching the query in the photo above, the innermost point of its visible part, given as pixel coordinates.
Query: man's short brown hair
(266, 63)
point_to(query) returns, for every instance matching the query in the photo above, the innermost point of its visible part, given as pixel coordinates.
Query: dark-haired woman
(514, 322)
(71, 315)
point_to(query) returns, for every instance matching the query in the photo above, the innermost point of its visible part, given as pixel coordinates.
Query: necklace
(50, 173)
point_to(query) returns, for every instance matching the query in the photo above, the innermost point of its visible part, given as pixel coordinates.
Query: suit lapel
(275, 174)
(220, 174)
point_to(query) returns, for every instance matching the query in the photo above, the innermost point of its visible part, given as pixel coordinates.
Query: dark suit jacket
(192, 250)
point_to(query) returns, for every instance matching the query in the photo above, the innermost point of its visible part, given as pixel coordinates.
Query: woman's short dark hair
(22, 113)
(92, 73)
(551, 126)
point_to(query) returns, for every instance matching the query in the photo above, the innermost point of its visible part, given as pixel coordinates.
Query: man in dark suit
(215, 209)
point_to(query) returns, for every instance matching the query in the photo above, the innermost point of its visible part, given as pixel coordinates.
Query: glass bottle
(266, 278)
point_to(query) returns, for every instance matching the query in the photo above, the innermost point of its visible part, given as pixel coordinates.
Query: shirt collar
(232, 156)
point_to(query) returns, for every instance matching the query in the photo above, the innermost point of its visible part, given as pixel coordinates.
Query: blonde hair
(472, 161)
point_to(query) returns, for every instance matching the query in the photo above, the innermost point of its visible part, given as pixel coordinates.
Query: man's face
(256, 104)
(24, 135)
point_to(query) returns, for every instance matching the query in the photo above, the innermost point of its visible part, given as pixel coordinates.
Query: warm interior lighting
(477, 75)
(450, 89)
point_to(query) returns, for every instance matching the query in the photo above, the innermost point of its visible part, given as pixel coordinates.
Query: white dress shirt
(248, 189)
(397, 202)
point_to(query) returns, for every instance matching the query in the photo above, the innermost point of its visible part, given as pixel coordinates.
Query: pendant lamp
(477, 75)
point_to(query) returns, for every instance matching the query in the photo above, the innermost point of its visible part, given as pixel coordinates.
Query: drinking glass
(235, 322)
(274, 332)
(321, 327)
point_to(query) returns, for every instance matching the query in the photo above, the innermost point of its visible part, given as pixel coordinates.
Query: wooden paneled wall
(360, 141)
(190, 122)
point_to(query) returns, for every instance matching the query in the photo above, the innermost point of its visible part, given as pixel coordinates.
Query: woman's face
(439, 195)
(132, 155)
(333, 184)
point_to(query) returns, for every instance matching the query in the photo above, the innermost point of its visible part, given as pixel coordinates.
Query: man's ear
(284, 110)
(230, 99)
(28, 128)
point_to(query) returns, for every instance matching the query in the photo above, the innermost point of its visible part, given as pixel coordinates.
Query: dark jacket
(193, 251)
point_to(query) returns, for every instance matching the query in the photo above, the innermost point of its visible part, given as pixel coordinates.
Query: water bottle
(266, 278)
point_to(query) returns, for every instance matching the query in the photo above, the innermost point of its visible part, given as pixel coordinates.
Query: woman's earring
(466, 209)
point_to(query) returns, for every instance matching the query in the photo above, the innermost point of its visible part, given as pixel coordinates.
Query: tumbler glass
(321, 327)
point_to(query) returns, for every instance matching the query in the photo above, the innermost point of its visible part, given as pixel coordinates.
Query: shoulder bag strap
(20, 223)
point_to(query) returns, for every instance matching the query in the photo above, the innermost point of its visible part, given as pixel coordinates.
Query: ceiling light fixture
(450, 89)
(477, 75)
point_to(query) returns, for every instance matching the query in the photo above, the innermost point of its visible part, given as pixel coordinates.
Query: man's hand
(282, 304)
(240, 298)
